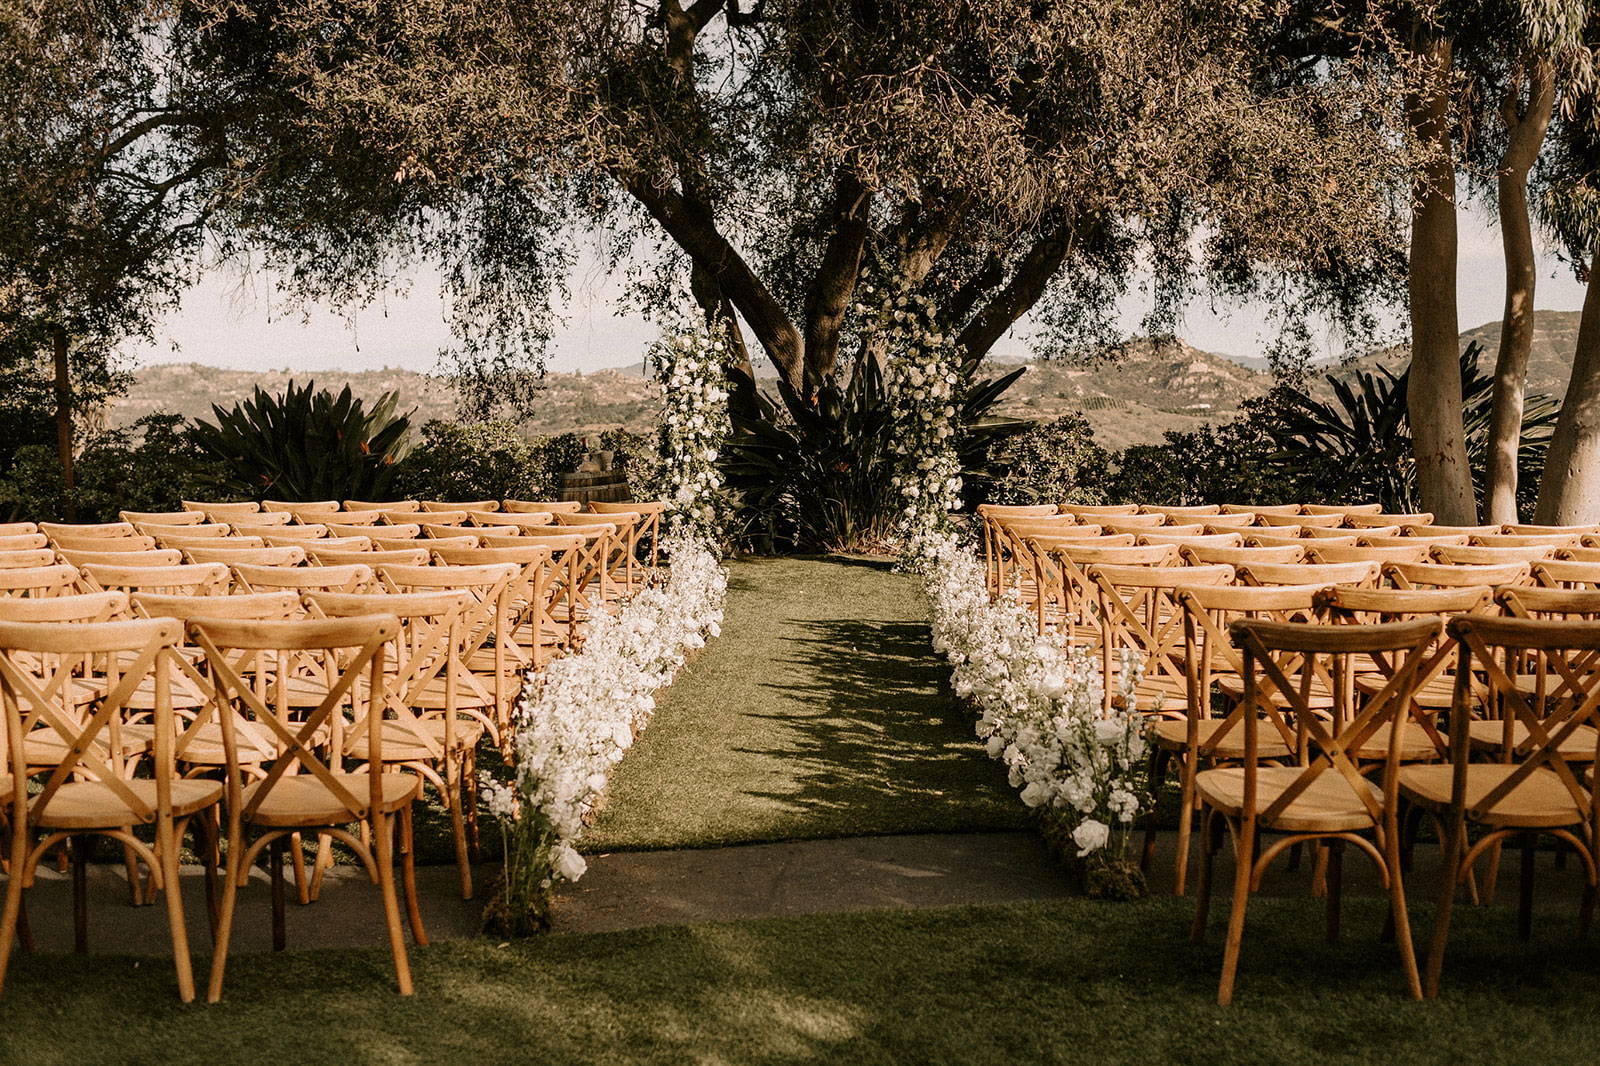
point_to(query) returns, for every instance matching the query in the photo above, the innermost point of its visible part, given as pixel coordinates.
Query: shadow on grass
(874, 727)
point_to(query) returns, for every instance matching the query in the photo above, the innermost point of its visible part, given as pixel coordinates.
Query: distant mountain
(1153, 388)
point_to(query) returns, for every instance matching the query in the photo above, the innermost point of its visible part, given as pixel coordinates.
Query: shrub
(469, 461)
(638, 457)
(148, 466)
(306, 444)
(1051, 462)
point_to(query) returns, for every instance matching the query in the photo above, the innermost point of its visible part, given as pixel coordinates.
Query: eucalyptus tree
(1002, 156)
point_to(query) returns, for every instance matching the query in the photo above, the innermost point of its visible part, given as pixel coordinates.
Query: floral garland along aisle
(1039, 709)
(579, 716)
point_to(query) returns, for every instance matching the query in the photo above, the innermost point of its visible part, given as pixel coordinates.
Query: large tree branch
(1037, 266)
(828, 297)
(696, 233)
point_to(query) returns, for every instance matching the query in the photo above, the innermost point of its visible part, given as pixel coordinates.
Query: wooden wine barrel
(611, 486)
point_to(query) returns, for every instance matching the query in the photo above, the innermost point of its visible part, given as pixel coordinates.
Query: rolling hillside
(1152, 389)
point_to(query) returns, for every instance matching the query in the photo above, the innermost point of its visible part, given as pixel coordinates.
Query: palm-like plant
(817, 474)
(1357, 446)
(308, 444)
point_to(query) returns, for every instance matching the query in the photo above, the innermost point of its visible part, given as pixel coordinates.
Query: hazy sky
(237, 321)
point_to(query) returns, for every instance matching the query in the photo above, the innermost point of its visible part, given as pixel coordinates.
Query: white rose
(568, 864)
(1091, 835)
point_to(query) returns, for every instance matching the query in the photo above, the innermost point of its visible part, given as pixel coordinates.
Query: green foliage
(1051, 462)
(308, 445)
(149, 466)
(1231, 463)
(469, 461)
(816, 475)
(638, 456)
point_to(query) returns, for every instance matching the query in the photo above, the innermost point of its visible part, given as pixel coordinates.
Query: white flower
(568, 864)
(1091, 835)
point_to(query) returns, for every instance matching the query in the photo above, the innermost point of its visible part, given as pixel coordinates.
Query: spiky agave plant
(308, 444)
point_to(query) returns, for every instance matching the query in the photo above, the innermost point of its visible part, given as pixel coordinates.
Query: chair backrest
(289, 556)
(13, 529)
(75, 607)
(1279, 509)
(1447, 575)
(1235, 520)
(1524, 529)
(1176, 529)
(220, 507)
(1274, 537)
(304, 511)
(349, 544)
(1139, 610)
(1378, 518)
(304, 578)
(1428, 529)
(541, 506)
(1520, 601)
(371, 557)
(1293, 519)
(1579, 554)
(253, 605)
(1209, 609)
(1361, 573)
(350, 653)
(460, 505)
(147, 557)
(1567, 573)
(1187, 512)
(86, 529)
(1099, 510)
(39, 659)
(162, 518)
(26, 558)
(1385, 540)
(441, 518)
(464, 538)
(1513, 540)
(1131, 522)
(183, 544)
(504, 518)
(1203, 554)
(1323, 552)
(283, 532)
(1561, 704)
(350, 519)
(985, 510)
(1342, 535)
(394, 531)
(185, 534)
(1289, 668)
(260, 520)
(18, 542)
(1204, 540)
(1342, 508)
(46, 578)
(201, 579)
(391, 505)
(104, 545)
(1469, 555)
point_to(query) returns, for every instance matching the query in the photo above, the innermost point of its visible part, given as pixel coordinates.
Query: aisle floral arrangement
(1040, 713)
(691, 365)
(581, 715)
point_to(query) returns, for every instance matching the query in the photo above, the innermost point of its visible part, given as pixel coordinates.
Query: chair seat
(400, 743)
(91, 805)
(1328, 805)
(1173, 733)
(432, 696)
(205, 746)
(1541, 801)
(1232, 686)
(1415, 744)
(304, 800)
(1435, 694)
(44, 746)
(1579, 747)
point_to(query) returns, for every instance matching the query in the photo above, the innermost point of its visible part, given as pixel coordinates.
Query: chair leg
(1529, 843)
(280, 935)
(1454, 848)
(210, 854)
(382, 838)
(12, 914)
(80, 894)
(1202, 898)
(469, 781)
(1244, 856)
(297, 852)
(1399, 918)
(452, 800)
(137, 896)
(1491, 874)
(1319, 870)
(408, 869)
(1187, 768)
(230, 896)
(1335, 887)
(167, 855)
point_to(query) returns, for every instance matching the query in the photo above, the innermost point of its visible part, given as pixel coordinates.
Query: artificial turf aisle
(817, 713)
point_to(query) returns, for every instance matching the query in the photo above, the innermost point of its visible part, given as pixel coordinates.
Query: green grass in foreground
(819, 712)
(1069, 981)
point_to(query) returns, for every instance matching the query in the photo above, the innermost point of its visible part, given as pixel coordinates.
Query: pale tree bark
(1444, 478)
(1570, 491)
(1525, 129)
(63, 391)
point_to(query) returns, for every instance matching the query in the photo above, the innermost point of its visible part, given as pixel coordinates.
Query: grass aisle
(817, 713)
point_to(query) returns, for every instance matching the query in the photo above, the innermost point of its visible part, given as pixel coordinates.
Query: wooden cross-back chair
(1537, 680)
(389, 505)
(1380, 518)
(13, 529)
(1357, 573)
(463, 538)
(1387, 540)
(1097, 511)
(1529, 788)
(988, 513)
(1139, 612)
(86, 529)
(1515, 540)
(1567, 573)
(1301, 521)
(1202, 737)
(502, 519)
(133, 542)
(251, 578)
(1137, 523)
(361, 543)
(221, 507)
(417, 556)
(566, 573)
(1322, 797)
(1229, 539)
(315, 531)
(166, 519)
(1060, 577)
(1528, 529)
(199, 579)
(353, 518)
(1037, 583)
(460, 505)
(1206, 554)
(1276, 537)
(43, 578)
(531, 629)
(305, 510)
(1012, 560)
(434, 710)
(1579, 554)
(1186, 513)
(149, 557)
(1222, 523)
(1448, 575)
(650, 527)
(541, 506)
(1323, 552)
(593, 590)
(87, 792)
(1428, 529)
(1279, 509)
(1470, 555)
(228, 555)
(183, 536)
(343, 531)
(620, 551)
(301, 790)
(1343, 535)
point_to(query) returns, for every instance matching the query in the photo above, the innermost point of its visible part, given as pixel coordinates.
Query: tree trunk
(1444, 478)
(63, 379)
(1525, 128)
(1570, 491)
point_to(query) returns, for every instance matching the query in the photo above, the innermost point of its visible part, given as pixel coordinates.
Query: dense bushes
(1052, 462)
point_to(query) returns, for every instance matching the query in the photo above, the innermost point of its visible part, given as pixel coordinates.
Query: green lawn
(819, 712)
(1069, 981)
